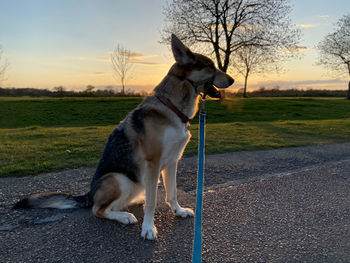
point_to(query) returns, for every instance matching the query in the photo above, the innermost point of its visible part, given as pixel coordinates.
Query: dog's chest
(174, 142)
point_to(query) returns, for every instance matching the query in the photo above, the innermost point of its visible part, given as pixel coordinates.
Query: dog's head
(199, 70)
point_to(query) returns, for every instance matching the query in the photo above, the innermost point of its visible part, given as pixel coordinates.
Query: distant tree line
(61, 92)
(90, 92)
(277, 92)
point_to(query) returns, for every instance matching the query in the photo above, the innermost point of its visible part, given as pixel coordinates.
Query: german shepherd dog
(147, 143)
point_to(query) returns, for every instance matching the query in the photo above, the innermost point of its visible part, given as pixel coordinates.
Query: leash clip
(202, 100)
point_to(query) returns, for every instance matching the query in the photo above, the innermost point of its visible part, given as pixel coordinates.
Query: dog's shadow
(115, 240)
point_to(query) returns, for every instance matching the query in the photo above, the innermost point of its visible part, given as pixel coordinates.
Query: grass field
(46, 134)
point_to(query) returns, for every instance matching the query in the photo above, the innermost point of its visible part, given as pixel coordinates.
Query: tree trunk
(245, 86)
(348, 97)
(223, 91)
(123, 86)
(218, 60)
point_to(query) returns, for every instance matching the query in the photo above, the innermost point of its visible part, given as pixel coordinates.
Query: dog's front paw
(183, 212)
(127, 218)
(149, 232)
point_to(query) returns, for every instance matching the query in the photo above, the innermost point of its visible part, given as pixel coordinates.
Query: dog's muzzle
(209, 88)
(212, 91)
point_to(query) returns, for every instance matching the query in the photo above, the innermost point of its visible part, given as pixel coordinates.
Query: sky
(68, 43)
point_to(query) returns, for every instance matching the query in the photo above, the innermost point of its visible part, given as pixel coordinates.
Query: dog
(147, 143)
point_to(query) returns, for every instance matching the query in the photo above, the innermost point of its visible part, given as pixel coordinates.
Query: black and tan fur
(147, 143)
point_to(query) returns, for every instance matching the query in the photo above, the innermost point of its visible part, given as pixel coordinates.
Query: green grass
(45, 134)
(64, 112)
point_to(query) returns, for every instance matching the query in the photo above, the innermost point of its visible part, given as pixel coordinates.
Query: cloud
(297, 48)
(324, 16)
(133, 56)
(307, 25)
(105, 59)
(138, 56)
(229, 26)
(135, 59)
(310, 82)
(99, 73)
(304, 84)
(83, 58)
(145, 63)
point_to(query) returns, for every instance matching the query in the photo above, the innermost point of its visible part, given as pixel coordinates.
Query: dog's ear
(182, 54)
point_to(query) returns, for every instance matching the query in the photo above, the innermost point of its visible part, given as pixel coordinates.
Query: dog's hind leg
(169, 180)
(114, 195)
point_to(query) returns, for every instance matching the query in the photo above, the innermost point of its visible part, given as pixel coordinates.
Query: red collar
(171, 106)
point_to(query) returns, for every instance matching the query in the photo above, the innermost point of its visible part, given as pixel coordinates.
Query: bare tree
(89, 89)
(3, 65)
(258, 59)
(248, 60)
(59, 90)
(334, 49)
(215, 25)
(121, 59)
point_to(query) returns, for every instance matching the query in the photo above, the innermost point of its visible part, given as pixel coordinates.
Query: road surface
(286, 205)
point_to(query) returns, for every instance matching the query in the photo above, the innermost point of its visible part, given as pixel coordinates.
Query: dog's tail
(55, 200)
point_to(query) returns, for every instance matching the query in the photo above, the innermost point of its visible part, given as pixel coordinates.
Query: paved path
(287, 205)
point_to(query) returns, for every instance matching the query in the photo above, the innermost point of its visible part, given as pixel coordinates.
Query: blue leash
(197, 243)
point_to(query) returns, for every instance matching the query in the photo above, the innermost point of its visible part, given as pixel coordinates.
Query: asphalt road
(287, 205)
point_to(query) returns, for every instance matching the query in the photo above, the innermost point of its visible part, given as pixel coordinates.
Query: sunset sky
(68, 43)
